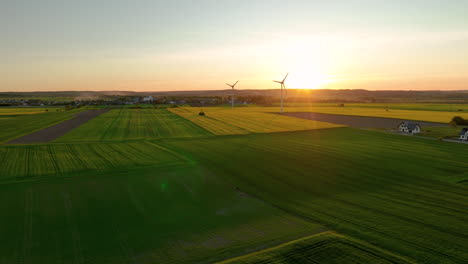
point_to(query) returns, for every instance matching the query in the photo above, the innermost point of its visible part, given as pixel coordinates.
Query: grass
(18, 125)
(326, 247)
(225, 121)
(125, 124)
(441, 132)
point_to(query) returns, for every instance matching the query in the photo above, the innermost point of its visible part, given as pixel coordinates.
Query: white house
(148, 99)
(464, 134)
(409, 127)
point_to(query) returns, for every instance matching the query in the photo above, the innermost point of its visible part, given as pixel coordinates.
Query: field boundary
(330, 234)
(273, 248)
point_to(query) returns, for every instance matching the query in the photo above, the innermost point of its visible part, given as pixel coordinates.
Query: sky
(139, 45)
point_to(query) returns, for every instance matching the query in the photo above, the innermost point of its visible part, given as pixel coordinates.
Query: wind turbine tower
(283, 87)
(232, 86)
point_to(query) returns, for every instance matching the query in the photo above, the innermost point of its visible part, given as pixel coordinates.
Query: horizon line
(209, 90)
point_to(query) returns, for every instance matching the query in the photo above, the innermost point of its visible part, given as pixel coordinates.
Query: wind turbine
(283, 87)
(232, 86)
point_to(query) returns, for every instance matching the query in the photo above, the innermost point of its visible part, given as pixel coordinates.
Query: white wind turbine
(283, 87)
(232, 86)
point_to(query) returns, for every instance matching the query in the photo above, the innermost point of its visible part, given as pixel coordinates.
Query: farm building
(409, 127)
(464, 134)
(148, 99)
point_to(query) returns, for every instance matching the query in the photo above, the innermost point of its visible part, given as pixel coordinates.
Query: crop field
(441, 132)
(32, 162)
(421, 115)
(326, 247)
(258, 113)
(172, 214)
(401, 106)
(42, 98)
(17, 125)
(397, 192)
(18, 111)
(224, 121)
(21, 111)
(125, 124)
(159, 186)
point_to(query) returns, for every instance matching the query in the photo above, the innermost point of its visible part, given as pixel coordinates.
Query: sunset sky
(199, 44)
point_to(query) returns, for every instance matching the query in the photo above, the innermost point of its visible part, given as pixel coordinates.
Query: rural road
(359, 121)
(53, 132)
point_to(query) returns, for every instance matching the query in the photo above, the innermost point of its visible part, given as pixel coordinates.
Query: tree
(458, 120)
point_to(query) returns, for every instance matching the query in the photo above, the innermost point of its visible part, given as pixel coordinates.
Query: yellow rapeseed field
(21, 111)
(243, 120)
(432, 116)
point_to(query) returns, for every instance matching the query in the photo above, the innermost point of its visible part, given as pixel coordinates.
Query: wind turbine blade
(278, 82)
(285, 77)
(235, 84)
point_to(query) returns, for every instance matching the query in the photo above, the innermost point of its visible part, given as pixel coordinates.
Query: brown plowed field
(359, 121)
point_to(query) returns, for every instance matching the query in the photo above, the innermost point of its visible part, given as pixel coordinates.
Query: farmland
(21, 111)
(223, 121)
(14, 125)
(422, 115)
(397, 106)
(322, 248)
(124, 124)
(32, 162)
(398, 192)
(169, 212)
(235, 186)
(441, 132)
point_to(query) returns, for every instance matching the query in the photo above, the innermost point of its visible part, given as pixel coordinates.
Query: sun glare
(307, 77)
(306, 63)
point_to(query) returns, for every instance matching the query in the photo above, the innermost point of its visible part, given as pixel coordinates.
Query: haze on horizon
(154, 45)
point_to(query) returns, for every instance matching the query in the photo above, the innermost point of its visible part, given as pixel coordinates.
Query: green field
(441, 132)
(125, 124)
(326, 247)
(17, 111)
(31, 162)
(13, 125)
(154, 186)
(376, 187)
